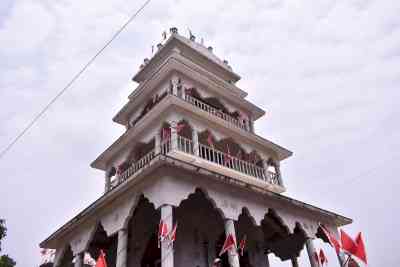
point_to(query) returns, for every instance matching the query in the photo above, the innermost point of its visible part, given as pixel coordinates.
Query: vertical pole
(311, 252)
(122, 248)
(295, 263)
(107, 182)
(167, 252)
(195, 139)
(233, 256)
(79, 259)
(157, 144)
(174, 137)
(342, 259)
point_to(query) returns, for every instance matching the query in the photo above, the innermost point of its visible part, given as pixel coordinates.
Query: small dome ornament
(173, 30)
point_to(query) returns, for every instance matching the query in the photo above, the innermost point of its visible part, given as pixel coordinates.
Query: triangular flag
(166, 133)
(348, 243)
(101, 260)
(360, 252)
(316, 257)
(322, 257)
(242, 244)
(162, 231)
(229, 244)
(332, 240)
(172, 234)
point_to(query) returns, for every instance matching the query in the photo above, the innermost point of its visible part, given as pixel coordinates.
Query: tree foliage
(5, 260)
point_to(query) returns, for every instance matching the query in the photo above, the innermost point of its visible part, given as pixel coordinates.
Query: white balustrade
(215, 112)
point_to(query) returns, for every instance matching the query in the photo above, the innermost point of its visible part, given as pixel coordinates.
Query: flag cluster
(164, 235)
(347, 244)
(230, 245)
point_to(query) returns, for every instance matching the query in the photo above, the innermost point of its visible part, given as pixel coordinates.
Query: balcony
(184, 149)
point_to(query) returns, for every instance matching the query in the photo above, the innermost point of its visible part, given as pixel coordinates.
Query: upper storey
(191, 62)
(191, 50)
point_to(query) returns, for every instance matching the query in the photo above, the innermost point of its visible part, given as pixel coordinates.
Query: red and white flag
(166, 133)
(229, 244)
(242, 245)
(360, 252)
(172, 234)
(331, 238)
(316, 258)
(348, 244)
(179, 127)
(101, 260)
(162, 232)
(322, 257)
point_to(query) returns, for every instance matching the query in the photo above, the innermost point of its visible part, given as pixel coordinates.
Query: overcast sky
(327, 72)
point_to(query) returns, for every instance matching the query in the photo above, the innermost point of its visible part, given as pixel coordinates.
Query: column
(79, 260)
(265, 167)
(311, 252)
(167, 253)
(122, 248)
(107, 181)
(195, 139)
(278, 172)
(342, 259)
(157, 144)
(295, 263)
(174, 137)
(233, 256)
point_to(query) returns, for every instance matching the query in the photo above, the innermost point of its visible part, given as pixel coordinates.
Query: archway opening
(101, 241)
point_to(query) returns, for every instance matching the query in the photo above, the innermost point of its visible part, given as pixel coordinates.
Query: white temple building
(190, 156)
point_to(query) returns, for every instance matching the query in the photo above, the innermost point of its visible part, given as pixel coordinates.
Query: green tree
(5, 260)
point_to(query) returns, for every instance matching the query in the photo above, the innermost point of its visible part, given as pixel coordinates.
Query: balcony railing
(220, 158)
(135, 167)
(215, 112)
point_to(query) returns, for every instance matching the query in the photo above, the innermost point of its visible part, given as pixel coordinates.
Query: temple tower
(190, 156)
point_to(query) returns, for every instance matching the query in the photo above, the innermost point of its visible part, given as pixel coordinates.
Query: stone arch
(64, 257)
(132, 209)
(208, 198)
(100, 240)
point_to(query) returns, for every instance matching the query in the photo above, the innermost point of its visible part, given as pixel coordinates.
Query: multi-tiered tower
(190, 155)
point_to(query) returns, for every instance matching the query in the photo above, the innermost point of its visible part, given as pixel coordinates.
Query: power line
(74, 78)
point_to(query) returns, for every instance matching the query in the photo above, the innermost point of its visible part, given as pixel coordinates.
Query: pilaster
(167, 252)
(122, 248)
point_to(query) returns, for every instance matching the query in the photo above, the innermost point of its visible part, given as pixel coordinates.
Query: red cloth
(101, 260)
(316, 257)
(229, 244)
(331, 238)
(162, 230)
(360, 252)
(242, 244)
(172, 234)
(322, 257)
(348, 243)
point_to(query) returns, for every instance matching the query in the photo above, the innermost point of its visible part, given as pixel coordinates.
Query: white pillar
(195, 139)
(311, 252)
(233, 256)
(107, 181)
(278, 172)
(122, 248)
(79, 260)
(174, 137)
(342, 259)
(157, 144)
(167, 252)
(266, 260)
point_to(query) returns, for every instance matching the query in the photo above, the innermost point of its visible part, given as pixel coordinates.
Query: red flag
(316, 257)
(166, 133)
(229, 244)
(162, 231)
(322, 257)
(172, 234)
(101, 260)
(242, 244)
(332, 240)
(360, 252)
(210, 140)
(179, 127)
(348, 243)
